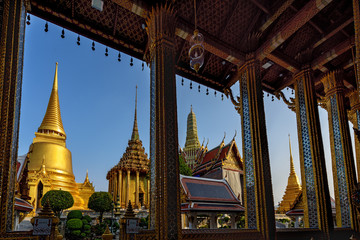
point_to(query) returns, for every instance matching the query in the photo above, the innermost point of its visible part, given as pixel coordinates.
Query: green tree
(59, 200)
(100, 202)
(184, 168)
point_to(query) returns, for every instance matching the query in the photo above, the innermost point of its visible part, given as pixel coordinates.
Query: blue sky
(97, 96)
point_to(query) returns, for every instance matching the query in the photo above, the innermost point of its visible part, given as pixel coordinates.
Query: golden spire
(135, 132)
(52, 119)
(87, 177)
(293, 187)
(292, 168)
(192, 140)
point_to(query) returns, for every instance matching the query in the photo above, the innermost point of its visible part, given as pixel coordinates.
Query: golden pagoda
(50, 162)
(128, 180)
(293, 188)
(86, 189)
(192, 145)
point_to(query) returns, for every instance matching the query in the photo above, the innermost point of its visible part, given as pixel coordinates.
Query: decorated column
(317, 208)
(12, 35)
(127, 187)
(164, 158)
(120, 186)
(354, 117)
(341, 151)
(258, 195)
(137, 190)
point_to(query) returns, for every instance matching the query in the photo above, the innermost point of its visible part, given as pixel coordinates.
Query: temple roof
(199, 189)
(216, 157)
(52, 119)
(134, 158)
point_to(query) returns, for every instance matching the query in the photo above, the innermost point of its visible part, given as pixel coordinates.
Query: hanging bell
(222, 97)
(292, 91)
(119, 57)
(142, 67)
(182, 81)
(28, 19)
(190, 85)
(63, 33)
(199, 88)
(46, 27)
(131, 62)
(207, 91)
(93, 46)
(272, 98)
(106, 52)
(78, 41)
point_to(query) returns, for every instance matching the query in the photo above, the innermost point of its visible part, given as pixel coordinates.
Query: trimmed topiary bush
(59, 200)
(84, 221)
(74, 214)
(76, 232)
(74, 224)
(100, 202)
(88, 218)
(87, 227)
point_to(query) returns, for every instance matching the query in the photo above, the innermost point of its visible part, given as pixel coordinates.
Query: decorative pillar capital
(333, 82)
(160, 27)
(354, 101)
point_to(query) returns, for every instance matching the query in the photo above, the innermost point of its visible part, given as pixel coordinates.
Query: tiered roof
(134, 158)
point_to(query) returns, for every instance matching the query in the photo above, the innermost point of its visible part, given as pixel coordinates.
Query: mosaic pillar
(341, 150)
(354, 117)
(164, 157)
(317, 208)
(12, 33)
(258, 195)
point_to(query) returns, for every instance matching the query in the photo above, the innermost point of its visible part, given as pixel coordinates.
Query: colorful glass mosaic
(308, 164)
(152, 145)
(340, 166)
(248, 158)
(15, 140)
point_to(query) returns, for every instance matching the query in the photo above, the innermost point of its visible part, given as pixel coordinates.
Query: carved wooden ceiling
(287, 26)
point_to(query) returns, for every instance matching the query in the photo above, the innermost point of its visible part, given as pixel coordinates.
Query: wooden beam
(276, 15)
(339, 49)
(284, 61)
(261, 6)
(185, 31)
(333, 32)
(310, 22)
(300, 19)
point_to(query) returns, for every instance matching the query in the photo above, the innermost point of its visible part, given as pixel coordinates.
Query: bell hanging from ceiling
(196, 51)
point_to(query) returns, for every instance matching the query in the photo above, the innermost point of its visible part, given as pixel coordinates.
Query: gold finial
(292, 168)
(192, 140)
(52, 119)
(135, 133)
(87, 176)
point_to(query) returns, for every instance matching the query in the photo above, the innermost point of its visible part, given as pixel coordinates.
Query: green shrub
(74, 224)
(83, 235)
(88, 218)
(84, 221)
(86, 227)
(74, 214)
(87, 232)
(59, 200)
(76, 232)
(100, 202)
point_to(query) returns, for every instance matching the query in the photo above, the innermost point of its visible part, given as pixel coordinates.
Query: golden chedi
(50, 163)
(128, 180)
(293, 188)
